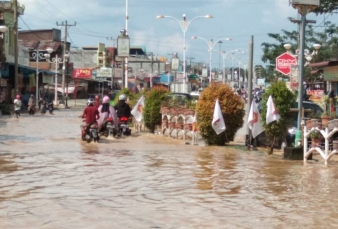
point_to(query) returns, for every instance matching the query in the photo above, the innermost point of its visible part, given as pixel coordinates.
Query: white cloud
(280, 11)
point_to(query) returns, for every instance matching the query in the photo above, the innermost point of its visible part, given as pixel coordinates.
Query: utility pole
(152, 71)
(219, 54)
(64, 57)
(250, 73)
(190, 58)
(16, 68)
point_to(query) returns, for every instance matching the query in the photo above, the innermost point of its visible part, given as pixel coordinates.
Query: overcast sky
(100, 20)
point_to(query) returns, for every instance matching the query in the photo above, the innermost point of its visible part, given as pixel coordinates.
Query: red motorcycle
(91, 133)
(124, 127)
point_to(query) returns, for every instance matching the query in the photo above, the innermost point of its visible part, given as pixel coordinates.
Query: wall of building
(45, 35)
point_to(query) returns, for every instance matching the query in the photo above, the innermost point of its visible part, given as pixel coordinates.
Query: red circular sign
(284, 63)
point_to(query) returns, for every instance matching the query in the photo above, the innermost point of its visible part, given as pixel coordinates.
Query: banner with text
(82, 73)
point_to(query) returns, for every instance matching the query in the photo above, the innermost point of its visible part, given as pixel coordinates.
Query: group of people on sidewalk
(97, 112)
(43, 104)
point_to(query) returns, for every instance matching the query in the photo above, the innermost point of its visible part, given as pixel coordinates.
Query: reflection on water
(51, 179)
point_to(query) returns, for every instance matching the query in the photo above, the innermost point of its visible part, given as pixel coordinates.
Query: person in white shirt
(17, 105)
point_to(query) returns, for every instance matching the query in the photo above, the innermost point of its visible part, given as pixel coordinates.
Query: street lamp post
(211, 44)
(37, 56)
(184, 24)
(55, 60)
(232, 63)
(224, 56)
(303, 53)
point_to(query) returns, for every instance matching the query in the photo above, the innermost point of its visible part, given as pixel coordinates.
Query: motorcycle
(110, 128)
(124, 127)
(31, 109)
(50, 107)
(91, 133)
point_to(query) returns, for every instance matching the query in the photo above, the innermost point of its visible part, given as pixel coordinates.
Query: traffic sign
(284, 63)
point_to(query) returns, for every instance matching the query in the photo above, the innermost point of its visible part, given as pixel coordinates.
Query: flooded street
(52, 180)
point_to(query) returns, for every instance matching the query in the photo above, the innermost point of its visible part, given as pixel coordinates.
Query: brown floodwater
(49, 179)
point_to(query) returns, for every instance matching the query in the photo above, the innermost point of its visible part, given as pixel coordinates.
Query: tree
(284, 100)
(232, 109)
(153, 100)
(326, 6)
(328, 38)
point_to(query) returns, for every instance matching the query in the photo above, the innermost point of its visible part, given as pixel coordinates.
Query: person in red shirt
(91, 114)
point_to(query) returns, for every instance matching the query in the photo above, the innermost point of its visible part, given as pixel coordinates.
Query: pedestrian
(17, 105)
(31, 105)
(97, 102)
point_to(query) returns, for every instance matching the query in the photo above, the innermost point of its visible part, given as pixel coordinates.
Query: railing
(330, 146)
(178, 122)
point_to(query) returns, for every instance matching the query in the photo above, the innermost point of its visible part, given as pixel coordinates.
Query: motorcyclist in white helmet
(122, 108)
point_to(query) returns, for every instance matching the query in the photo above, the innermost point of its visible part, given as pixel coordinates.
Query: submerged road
(50, 179)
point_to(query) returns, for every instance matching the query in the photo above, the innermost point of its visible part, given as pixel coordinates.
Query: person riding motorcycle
(122, 108)
(91, 114)
(106, 111)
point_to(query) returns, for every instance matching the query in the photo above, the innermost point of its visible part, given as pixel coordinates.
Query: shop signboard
(204, 72)
(48, 79)
(331, 73)
(104, 73)
(82, 73)
(315, 95)
(175, 64)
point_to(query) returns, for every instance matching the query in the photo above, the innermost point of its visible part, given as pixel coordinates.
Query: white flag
(254, 122)
(271, 111)
(137, 111)
(218, 122)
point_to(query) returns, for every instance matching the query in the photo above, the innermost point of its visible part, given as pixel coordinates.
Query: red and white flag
(137, 111)
(254, 122)
(271, 111)
(218, 122)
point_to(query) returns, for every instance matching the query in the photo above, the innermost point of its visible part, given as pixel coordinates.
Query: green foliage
(125, 91)
(151, 112)
(326, 6)
(328, 38)
(284, 100)
(232, 109)
(316, 135)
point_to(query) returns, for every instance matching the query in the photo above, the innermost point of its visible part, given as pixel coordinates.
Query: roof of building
(41, 45)
(324, 64)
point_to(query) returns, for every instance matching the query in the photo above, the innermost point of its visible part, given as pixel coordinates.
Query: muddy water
(50, 179)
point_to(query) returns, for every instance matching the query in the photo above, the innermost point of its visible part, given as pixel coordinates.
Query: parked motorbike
(91, 133)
